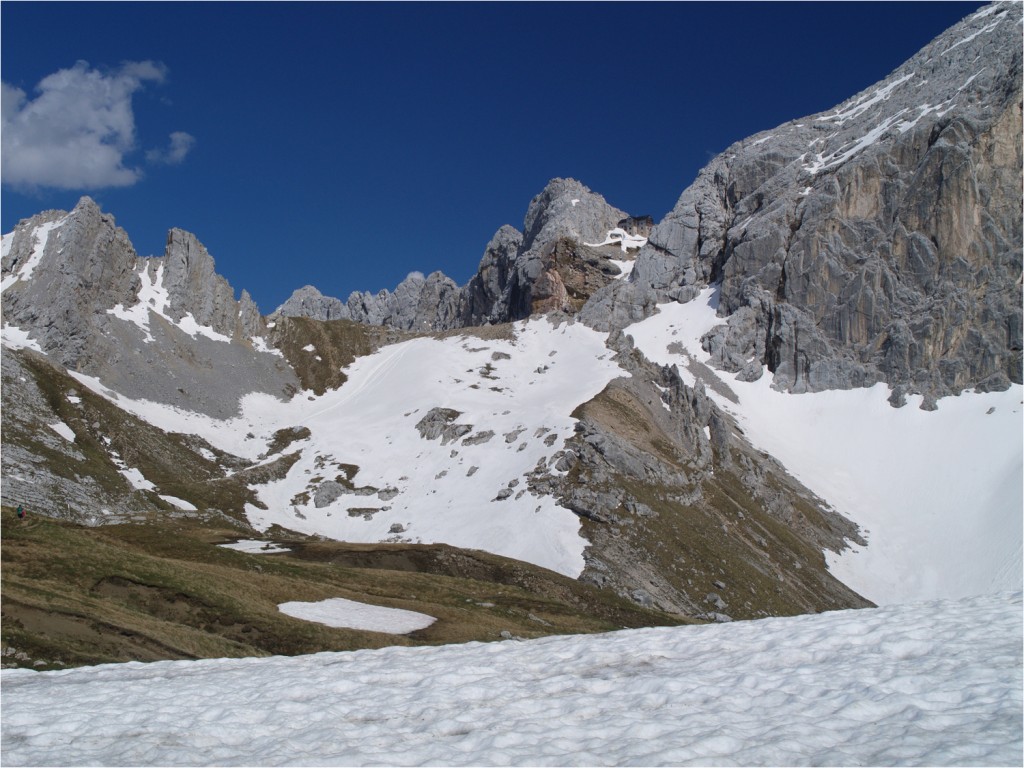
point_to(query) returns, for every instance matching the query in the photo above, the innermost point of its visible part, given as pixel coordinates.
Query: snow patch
(621, 238)
(864, 103)
(16, 338)
(339, 612)
(174, 501)
(256, 547)
(983, 30)
(260, 345)
(63, 430)
(821, 162)
(24, 272)
(625, 267)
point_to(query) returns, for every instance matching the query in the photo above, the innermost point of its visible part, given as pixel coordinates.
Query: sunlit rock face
(880, 240)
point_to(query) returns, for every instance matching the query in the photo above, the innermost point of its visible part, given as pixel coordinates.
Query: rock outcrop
(73, 282)
(878, 241)
(675, 503)
(545, 268)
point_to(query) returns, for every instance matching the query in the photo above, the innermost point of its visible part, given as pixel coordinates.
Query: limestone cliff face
(195, 288)
(878, 241)
(73, 282)
(58, 269)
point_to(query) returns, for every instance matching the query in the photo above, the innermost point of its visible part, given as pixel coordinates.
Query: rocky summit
(618, 419)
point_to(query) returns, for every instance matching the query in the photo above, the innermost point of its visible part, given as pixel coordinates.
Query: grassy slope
(163, 590)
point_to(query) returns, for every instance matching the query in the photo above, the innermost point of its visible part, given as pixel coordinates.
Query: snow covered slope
(934, 683)
(366, 473)
(938, 494)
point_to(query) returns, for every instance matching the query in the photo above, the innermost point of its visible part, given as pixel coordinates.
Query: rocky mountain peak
(307, 301)
(58, 268)
(73, 283)
(567, 208)
(518, 275)
(195, 288)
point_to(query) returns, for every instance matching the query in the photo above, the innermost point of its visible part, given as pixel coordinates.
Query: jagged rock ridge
(74, 281)
(547, 267)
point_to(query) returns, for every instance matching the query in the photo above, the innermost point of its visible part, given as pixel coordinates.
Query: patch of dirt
(102, 640)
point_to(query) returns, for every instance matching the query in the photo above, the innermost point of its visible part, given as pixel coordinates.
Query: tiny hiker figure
(21, 513)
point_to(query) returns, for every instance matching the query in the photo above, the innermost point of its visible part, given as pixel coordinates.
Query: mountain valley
(799, 392)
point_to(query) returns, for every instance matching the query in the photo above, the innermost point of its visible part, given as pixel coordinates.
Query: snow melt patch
(256, 547)
(339, 612)
(174, 501)
(621, 238)
(821, 161)
(983, 30)
(63, 430)
(937, 494)
(864, 103)
(16, 338)
(625, 268)
(24, 271)
(154, 297)
(931, 684)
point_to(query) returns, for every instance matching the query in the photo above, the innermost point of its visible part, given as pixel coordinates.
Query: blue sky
(346, 144)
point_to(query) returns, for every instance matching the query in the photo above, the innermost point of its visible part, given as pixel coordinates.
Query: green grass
(163, 590)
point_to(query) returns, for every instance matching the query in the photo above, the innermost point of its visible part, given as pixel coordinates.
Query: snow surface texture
(937, 494)
(928, 684)
(516, 397)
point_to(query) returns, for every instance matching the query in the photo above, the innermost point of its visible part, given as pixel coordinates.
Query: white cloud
(79, 129)
(180, 145)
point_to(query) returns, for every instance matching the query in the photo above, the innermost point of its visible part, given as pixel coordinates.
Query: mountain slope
(675, 448)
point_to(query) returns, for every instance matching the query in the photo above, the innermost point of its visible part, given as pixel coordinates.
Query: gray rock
(478, 438)
(309, 302)
(518, 274)
(87, 269)
(877, 241)
(326, 493)
(440, 423)
(715, 599)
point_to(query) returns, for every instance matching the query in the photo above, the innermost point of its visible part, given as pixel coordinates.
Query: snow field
(938, 495)
(935, 683)
(523, 391)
